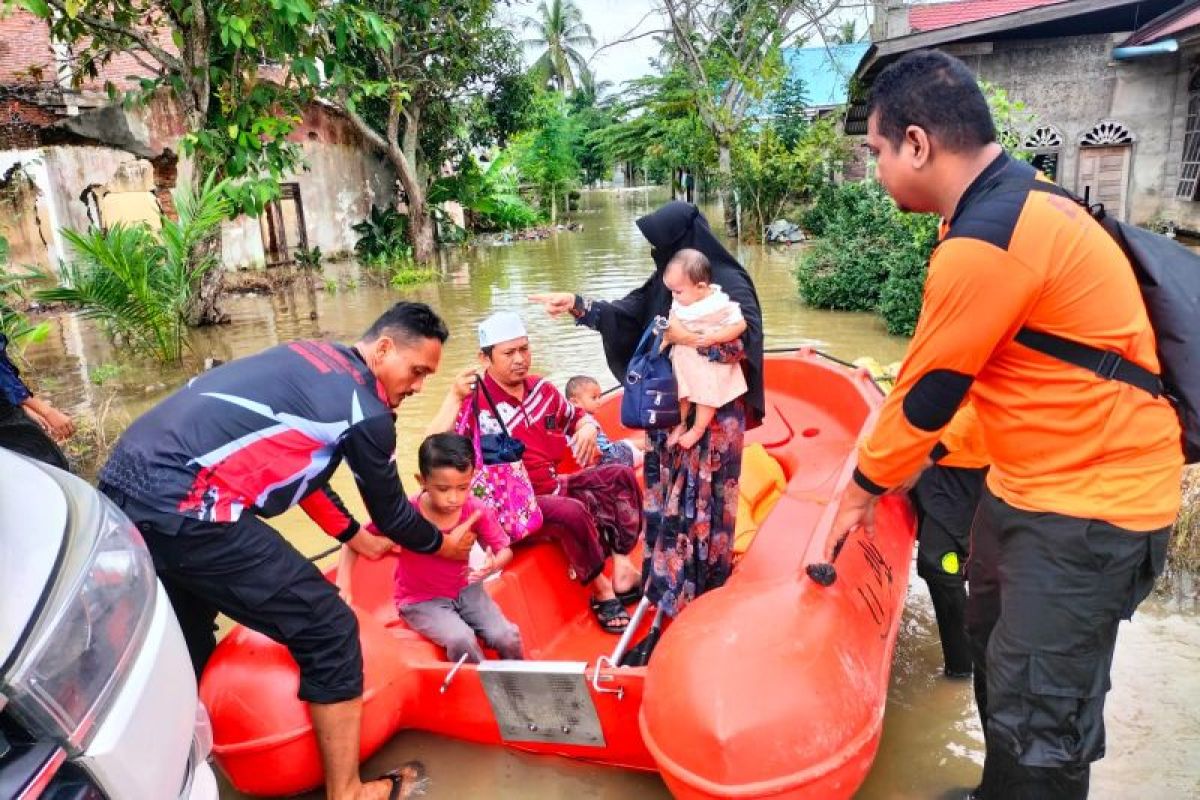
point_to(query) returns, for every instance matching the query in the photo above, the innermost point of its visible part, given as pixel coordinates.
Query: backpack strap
(1104, 363)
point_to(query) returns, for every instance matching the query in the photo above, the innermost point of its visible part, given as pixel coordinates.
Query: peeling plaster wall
(72, 169)
(241, 244)
(343, 178)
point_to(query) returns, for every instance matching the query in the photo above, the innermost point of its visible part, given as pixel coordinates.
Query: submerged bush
(869, 256)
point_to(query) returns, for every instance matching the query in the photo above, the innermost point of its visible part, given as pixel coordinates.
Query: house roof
(825, 71)
(1174, 22)
(1069, 18)
(944, 15)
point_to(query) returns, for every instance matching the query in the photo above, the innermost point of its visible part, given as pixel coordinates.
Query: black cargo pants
(1047, 593)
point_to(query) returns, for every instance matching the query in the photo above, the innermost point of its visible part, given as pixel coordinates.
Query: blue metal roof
(826, 71)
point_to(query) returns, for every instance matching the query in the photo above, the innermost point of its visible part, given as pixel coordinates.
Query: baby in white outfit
(702, 308)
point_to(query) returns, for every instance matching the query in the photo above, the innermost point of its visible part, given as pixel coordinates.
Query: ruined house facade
(1114, 86)
(71, 159)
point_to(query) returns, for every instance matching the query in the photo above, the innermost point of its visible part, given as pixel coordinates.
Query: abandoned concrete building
(1113, 85)
(71, 159)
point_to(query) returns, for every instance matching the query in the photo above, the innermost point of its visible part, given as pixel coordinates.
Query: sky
(612, 20)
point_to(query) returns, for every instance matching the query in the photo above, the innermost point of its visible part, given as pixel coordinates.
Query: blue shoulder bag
(651, 399)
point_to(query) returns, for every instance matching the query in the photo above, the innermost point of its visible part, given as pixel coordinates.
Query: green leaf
(38, 8)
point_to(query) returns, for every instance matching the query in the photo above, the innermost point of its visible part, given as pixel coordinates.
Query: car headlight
(93, 626)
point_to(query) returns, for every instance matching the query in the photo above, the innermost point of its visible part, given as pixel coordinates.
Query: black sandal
(611, 615)
(410, 776)
(631, 595)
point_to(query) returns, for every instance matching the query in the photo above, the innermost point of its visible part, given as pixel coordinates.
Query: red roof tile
(944, 15)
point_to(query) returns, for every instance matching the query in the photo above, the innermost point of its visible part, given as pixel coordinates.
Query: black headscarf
(673, 227)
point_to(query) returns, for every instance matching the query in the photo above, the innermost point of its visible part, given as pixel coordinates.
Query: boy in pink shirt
(439, 598)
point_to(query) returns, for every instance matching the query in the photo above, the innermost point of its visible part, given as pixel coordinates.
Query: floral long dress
(691, 509)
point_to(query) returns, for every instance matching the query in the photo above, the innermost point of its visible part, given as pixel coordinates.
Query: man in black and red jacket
(246, 441)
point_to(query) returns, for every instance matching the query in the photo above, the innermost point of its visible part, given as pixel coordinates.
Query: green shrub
(900, 299)
(310, 258)
(869, 256)
(402, 275)
(382, 237)
(14, 325)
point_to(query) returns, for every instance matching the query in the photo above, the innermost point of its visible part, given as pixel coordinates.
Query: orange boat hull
(771, 686)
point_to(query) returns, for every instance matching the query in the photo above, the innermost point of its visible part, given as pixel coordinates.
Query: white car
(97, 695)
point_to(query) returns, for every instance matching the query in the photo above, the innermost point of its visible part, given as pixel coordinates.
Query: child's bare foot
(676, 433)
(688, 440)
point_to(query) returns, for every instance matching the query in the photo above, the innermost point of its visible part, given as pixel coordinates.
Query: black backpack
(1169, 276)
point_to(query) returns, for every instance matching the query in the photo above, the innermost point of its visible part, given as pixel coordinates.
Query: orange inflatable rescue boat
(772, 686)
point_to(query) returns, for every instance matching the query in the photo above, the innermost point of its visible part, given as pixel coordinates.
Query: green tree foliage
(658, 127)
(207, 55)
(731, 57)
(491, 197)
(844, 33)
(772, 177)
(138, 282)
(788, 106)
(1012, 118)
(545, 155)
(399, 71)
(559, 30)
(382, 237)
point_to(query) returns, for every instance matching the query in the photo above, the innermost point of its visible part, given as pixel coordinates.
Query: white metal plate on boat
(542, 701)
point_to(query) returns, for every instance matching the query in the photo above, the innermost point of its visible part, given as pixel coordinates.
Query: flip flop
(611, 615)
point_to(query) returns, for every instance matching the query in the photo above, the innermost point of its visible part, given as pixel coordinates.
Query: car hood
(33, 525)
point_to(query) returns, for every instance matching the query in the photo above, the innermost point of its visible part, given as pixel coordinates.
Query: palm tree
(559, 27)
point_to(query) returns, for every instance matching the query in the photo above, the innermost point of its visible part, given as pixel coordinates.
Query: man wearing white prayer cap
(593, 513)
(503, 326)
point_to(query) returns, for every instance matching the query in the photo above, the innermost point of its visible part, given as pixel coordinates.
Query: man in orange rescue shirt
(1073, 523)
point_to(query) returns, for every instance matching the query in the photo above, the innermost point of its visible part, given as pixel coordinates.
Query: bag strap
(479, 387)
(1105, 363)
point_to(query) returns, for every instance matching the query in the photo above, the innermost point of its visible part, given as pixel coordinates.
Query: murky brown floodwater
(931, 738)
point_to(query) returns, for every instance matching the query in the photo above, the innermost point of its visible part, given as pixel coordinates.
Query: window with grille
(1189, 170)
(1045, 143)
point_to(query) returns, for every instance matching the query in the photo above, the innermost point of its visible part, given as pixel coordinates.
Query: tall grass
(138, 282)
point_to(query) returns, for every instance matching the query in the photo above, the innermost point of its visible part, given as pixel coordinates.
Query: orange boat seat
(762, 484)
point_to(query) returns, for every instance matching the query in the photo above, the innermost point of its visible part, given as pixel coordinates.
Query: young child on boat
(705, 310)
(583, 392)
(442, 599)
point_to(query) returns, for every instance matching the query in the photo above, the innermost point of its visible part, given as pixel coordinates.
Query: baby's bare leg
(685, 407)
(704, 416)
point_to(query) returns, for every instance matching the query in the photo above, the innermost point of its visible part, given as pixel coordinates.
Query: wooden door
(1104, 177)
(283, 228)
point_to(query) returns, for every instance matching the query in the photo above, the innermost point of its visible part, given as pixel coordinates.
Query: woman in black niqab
(691, 495)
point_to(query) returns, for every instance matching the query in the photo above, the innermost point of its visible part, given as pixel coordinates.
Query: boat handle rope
(453, 671)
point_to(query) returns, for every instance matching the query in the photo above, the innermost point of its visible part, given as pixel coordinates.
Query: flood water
(931, 740)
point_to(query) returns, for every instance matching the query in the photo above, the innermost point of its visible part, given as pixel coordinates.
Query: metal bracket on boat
(597, 678)
(614, 660)
(450, 675)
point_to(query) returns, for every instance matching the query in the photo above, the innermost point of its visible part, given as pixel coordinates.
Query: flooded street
(931, 740)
